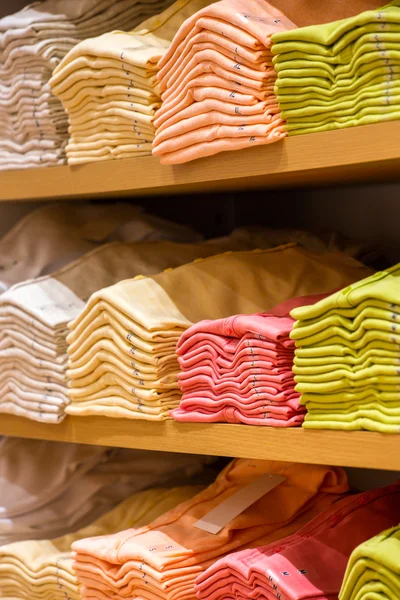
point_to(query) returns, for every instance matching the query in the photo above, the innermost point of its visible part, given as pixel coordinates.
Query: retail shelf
(360, 154)
(350, 449)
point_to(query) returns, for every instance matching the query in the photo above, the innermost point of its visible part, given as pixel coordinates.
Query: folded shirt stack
(37, 569)
(239, 370)
(122, 358)
(49, 489)
(339, 74)
(311, 563)
(373, 569)
(347, 357)
(217, 82)
(163, 559)
(34, 316)
(108, 86)
(33, 123)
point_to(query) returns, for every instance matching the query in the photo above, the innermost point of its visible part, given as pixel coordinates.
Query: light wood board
(358, 154)
(350, 449)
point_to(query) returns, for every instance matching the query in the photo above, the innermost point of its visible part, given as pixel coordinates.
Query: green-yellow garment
(358, 396)
(346, 72)
(347, 358)
(350, 331)
(357, 423)
(335, 36)
(321, 366)
(348, 354)
(383, 286)
(379, 371)
(346, 317)
(373, 570)
(42, 570)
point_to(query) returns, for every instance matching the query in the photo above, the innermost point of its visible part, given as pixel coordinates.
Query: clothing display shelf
(340, 448)
(359, 154)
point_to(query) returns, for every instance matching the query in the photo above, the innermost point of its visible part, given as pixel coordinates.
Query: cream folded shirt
(126, 62)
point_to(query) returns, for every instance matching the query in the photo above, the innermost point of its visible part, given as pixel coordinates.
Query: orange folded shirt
(263, 111)
(163, 559)
(228, 41)
(257, 18)
(213, 132)
(206, 40)
(223, 35)
(212, 86)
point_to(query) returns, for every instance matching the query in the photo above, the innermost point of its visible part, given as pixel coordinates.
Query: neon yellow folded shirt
(338, 68)
(373, 569)
(347, 363)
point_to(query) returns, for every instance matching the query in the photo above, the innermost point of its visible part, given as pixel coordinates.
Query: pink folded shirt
(310, 563)
(247, 387)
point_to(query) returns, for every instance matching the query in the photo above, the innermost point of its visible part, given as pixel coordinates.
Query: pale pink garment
(310, 563)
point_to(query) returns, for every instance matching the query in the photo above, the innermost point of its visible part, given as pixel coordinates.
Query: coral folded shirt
(251, 389)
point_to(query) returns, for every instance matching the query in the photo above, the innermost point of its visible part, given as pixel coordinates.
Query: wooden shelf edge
(358, 154)
(339, 448)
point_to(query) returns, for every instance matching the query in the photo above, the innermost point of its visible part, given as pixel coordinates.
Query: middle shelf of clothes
(247, 328)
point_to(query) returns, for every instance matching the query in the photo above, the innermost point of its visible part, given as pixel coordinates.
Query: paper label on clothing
(48, 300)
(225, 512)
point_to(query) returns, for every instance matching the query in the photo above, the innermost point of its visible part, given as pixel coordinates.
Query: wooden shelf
(349, 449)
(359, 154)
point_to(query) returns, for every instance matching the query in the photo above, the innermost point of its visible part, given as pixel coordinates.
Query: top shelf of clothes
(359, 154)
